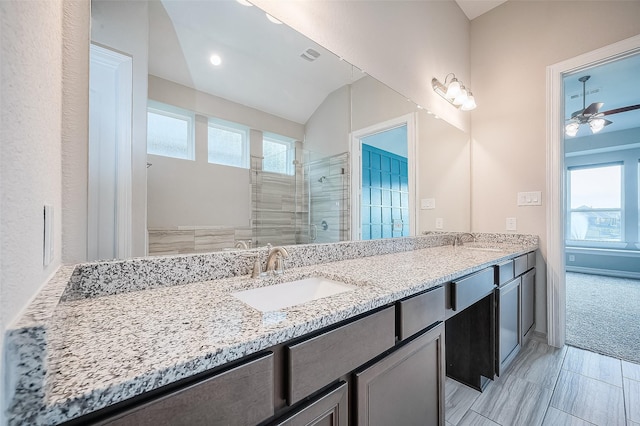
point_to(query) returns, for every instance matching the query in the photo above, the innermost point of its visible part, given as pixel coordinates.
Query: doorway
(556, 177)
(383, 180)
(109, 180)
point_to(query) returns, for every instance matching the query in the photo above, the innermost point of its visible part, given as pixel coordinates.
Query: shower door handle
(314, 232)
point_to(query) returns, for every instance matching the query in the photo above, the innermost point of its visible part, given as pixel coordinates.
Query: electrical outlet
(439, 223)
(511, 224)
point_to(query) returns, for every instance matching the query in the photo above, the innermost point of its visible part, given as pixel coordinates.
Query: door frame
(355, 153)
(120, 66)
(556, 194)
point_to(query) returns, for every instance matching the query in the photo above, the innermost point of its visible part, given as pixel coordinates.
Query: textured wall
(403, 43)
(30, 159)
(509, 145)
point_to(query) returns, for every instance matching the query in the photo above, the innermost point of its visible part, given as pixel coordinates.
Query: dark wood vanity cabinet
(242, 395)
(407, 386)
(329, 409)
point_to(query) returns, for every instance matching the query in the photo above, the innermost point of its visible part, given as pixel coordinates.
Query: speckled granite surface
(91, 352)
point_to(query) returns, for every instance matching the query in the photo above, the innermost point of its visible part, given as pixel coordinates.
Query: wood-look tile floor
(551, 387)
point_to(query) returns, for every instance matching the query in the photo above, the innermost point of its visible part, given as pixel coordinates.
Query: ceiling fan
(591, 115)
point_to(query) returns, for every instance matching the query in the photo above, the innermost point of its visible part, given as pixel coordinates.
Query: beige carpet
(603, 315)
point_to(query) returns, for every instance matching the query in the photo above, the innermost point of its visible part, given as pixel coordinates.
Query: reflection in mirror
(254, 149)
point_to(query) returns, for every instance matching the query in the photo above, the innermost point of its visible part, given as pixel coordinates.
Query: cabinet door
(508, 323)
(330, 409)
(242, 395)
(528, 301)
(406, 387)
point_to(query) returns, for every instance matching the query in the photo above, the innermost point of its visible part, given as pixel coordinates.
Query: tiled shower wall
(328, 180)
(311, 206)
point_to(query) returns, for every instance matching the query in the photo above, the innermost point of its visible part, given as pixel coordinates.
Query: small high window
(170, 131)
(279, 153)
(228, 144)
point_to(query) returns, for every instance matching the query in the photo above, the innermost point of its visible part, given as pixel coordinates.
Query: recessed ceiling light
(215, 59)
(244, 3)
(272, 19)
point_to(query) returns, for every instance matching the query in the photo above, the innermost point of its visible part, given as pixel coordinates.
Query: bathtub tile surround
(100, 333)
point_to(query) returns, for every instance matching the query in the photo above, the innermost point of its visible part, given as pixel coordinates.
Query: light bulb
(454, 89)
(571, 129)
(215, 59)
(469, 104)
(272, 19)
(596, 125)
(461, 98)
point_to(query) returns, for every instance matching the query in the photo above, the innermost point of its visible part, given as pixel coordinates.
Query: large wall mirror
(242, 135)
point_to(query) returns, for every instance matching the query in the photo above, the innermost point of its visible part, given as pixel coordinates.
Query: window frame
(569, 210)
(229, 126)
(290, 152)
(175, 112)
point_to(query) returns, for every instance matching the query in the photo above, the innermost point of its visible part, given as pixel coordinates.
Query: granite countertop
(104, 350)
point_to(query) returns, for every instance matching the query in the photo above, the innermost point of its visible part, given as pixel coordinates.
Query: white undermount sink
(280, 296)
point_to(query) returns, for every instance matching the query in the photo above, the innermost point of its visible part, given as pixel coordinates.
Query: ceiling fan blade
(619, 110)
(607, 122)
(593, 108)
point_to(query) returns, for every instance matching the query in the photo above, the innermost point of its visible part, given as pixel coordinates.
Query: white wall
(327, 130)
(30, 149)
(511, 46)
(403, 43)
(124, 26)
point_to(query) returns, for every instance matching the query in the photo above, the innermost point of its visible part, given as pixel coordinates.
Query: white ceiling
(261, 63)
(475, 8)
(616, 83)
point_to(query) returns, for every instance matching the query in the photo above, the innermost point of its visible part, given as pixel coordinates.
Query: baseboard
(606, 272)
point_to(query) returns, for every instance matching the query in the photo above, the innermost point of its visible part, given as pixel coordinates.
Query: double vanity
(350, 333)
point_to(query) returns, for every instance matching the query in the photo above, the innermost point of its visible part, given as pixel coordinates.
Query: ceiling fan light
(571, 129)
(453, 89)
(461, 98)
(596, 125)
(469, 104)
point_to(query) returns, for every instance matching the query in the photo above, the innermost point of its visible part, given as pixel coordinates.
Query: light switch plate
(439, 223)
(533, 198)
(427, 203)
(511, 224)
(47, 246)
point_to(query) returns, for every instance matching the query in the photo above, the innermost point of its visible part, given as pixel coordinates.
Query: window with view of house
(170, 131)
(595, 203)
(228, 144)
(278, 154)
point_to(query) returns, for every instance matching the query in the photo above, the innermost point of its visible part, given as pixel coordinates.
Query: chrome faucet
(275, 260)
(459, 239)
(241, 244)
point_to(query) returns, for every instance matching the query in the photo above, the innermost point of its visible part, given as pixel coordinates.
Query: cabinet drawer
(316, 362)
(418, 312)
(329, 409)
(467, 291)
(504, 272)
(520, 265)
(219, 400)
(531, 260)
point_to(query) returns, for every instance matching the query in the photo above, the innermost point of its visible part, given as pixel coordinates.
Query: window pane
(596, 187)
(168, 135)
(276, 157)
(227, 147)
(596, 226)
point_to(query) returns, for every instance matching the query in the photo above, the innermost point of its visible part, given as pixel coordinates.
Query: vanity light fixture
(244, 3)
(272, 19)
(454, 92)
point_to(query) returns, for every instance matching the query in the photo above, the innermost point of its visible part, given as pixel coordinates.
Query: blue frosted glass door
(385, 194)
